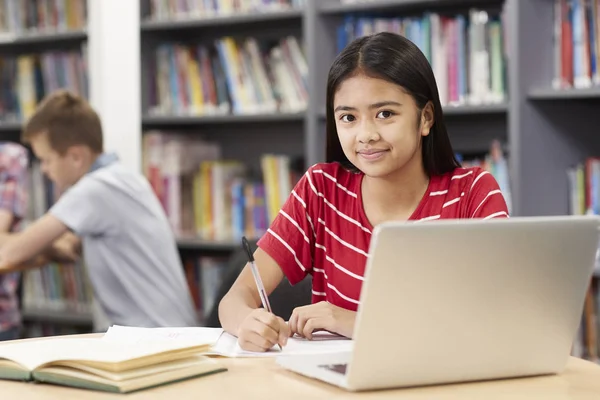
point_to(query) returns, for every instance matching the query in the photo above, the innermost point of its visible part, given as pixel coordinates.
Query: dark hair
(395, 59)
(68, 120)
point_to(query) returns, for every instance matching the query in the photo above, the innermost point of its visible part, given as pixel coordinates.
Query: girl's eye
(385, 114)
(347, 118)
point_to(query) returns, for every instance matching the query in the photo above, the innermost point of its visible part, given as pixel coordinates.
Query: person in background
(14, 198)
(389, 158)
(128, 246)
(13, 206)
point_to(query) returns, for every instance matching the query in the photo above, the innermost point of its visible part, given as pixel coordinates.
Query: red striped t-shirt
(322, 228)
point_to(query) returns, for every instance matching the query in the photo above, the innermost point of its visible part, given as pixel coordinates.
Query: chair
(283, 300)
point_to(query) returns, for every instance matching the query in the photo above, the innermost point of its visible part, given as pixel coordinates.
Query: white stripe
(476, 179)
(331, 178)
(296, 225)
(336, 237)
(441, 192)
(287, 246)
(485, 198)
(341, 214)
(428, 218)
(338, 266)
(319, 293)
(462, 176)
(299, 199)
(449, 203)
(340, 294)
(497, 214)
(311, 225)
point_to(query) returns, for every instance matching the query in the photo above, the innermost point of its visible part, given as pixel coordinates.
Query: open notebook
(114, 366)
(226, 345)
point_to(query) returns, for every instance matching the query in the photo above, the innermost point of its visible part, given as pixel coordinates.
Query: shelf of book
(592, 92)
(373, 6)
(224, 119)
(193, 22)
(39, 37)
(206, 245)
(67, 317)
(10, 126)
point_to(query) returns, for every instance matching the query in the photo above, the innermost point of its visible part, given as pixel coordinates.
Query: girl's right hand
(262, 330)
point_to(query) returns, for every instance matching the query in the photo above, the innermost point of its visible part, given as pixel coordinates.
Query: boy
(129, 249)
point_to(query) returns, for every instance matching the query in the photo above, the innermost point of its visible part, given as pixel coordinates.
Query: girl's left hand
(322, 316)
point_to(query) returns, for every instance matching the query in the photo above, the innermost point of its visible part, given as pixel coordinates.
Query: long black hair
(395, 59)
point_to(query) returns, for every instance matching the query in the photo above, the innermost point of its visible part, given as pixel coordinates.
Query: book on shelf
(468, 53)
(105, 365)
(21, 17)
(584, 198)
(496, 163)
(204, 275)
(168, 10)
(229, 76)
(212, 198)
(576, 44)
(26, 79)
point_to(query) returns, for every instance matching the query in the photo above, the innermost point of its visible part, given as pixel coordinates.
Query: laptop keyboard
(339, 368)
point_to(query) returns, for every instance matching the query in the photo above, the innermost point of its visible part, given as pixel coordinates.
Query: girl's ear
(427, 119)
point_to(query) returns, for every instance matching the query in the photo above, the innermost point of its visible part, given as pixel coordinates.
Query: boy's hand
(65, 249)
(322, 316)
(262, 330)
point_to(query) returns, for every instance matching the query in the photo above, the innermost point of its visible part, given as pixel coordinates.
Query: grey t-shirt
(129, 248)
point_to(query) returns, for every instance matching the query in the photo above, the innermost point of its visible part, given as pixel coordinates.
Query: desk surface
(263, 379)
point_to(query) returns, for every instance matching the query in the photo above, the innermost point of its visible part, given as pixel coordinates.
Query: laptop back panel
(447, 301)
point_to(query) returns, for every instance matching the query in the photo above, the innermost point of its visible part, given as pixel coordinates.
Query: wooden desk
(263, 379)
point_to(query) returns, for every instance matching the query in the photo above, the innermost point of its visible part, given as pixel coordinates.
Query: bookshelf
(544, 131)
(39, 54)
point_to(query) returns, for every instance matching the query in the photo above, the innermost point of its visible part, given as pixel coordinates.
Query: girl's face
(379, 125)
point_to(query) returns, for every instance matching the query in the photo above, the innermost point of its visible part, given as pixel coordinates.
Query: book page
(322, 343)
(34, 353)
(138, 335)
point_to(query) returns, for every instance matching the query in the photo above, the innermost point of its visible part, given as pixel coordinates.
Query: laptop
(453, 301)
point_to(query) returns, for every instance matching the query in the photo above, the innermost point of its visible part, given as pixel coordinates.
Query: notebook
(226, 345)
(112, 366)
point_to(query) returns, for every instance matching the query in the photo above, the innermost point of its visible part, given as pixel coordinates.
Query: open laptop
(465, 300)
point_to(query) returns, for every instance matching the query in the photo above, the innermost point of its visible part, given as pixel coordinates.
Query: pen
(259, 285)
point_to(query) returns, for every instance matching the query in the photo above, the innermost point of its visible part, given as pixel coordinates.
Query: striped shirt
(13, 198)
(322, 228)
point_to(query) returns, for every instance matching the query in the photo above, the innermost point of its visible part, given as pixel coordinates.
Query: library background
(221, 104)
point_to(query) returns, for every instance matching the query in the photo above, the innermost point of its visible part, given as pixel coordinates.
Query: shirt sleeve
(15, 178)
(290, 240)
(486, 200)
(84, 209)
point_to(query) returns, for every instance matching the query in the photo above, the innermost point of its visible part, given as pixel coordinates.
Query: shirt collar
(104, 160)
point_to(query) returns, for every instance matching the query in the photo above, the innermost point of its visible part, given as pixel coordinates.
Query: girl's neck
(397, 195)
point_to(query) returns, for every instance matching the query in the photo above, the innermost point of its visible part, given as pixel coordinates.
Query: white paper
(133, 334)
(226, 345)
(322, 343)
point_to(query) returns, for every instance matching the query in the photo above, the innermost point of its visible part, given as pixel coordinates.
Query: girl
(388, 158)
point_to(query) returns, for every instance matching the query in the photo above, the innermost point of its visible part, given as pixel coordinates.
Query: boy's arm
(6, 220)
(21, 249)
